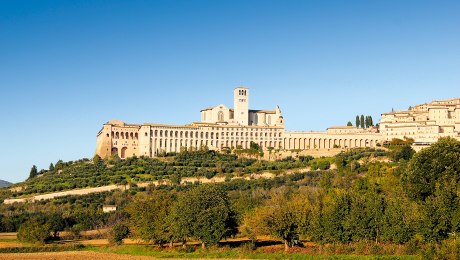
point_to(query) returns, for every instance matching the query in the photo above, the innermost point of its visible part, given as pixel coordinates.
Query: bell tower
(241, 105)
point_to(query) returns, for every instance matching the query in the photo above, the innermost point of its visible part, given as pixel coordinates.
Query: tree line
(362, 122)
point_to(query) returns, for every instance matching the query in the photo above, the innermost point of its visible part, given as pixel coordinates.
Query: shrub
(33, 231)
(118, 233)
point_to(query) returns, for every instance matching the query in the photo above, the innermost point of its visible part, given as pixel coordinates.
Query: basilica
(222, 127)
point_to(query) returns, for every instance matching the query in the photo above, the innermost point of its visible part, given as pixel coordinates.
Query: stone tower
(241, 105)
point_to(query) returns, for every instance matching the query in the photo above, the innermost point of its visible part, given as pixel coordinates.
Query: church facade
(227, 128)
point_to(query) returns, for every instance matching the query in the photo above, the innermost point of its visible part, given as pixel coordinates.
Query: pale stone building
(223, 127)
(425, 123)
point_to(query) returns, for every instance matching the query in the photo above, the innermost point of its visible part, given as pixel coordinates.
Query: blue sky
(67, 67)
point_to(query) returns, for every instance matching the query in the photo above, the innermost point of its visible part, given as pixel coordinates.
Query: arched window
(220, 116)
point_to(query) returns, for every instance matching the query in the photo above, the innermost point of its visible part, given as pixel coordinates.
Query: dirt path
(71, 255)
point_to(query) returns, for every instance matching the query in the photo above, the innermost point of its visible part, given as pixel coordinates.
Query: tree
(33, 172)
(56, 223)
(204, 213)
(371, 122)
(432, 166)
(281, 217)
(51, 168)
(405, 152)
(362, 121)
(149, 216)
(97, 159)
(357, 122)
(118, 232)
(432, 178)
(254, 146)
(349, 123)
(33, 231)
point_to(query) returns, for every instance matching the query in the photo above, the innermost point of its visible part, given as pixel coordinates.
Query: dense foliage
(362, 195)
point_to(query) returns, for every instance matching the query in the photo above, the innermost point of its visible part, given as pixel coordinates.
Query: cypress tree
(362, 121)
(33, 172)
(357, 121)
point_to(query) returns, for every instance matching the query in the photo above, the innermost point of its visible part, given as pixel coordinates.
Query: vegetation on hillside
(98, 172)
(374, 197)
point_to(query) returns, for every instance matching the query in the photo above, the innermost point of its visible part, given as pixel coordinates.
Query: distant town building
(109, 208)
(425, 123)
(222, 127)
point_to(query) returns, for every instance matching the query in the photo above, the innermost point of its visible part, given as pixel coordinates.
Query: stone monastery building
(223, 127)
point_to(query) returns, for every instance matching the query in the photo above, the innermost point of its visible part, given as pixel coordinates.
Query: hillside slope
(4, 184)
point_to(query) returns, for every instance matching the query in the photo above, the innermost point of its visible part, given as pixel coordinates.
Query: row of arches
(212, 135)
(124, 135)
(175, 145)
(327, 143)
